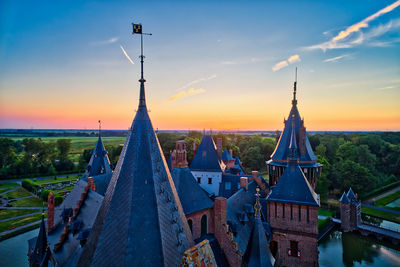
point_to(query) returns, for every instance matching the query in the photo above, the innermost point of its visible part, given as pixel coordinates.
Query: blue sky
(222, 65)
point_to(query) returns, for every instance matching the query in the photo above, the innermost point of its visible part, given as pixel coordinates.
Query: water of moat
(337, 249)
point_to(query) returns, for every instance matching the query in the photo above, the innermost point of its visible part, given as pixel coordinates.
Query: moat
(337, 249)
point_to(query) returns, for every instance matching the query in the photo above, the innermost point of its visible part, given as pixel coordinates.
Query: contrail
(126, 55)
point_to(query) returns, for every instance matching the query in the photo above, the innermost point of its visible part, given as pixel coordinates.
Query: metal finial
(294, 101)
(257, 205)
(99, 128)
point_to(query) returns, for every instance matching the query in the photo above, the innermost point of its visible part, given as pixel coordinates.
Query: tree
(253, 159)
(64, 147)
(7, 152)
(320, 150)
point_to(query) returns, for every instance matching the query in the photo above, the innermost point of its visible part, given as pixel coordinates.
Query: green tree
(64, 147)
(7, 152)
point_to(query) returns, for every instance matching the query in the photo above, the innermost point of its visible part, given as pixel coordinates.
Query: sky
(221, 65)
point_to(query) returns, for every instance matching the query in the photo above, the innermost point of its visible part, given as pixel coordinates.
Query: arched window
(190, 222)
(204, 225)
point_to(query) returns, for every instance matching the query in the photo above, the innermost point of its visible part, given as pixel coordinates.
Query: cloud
(388, 87)
(126, 55)
(187, 93)
(294, 58)
(285, 63)
(106, 42)
(334, 59)
(344, 38)
(280, 65)
(197, 81)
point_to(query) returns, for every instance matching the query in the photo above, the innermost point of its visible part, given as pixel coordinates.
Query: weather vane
(138, 29)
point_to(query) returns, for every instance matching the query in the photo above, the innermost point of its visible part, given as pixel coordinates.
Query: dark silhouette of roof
(257, 252)
(226, 156)
(193, 198)
(206, 157)
(99, 162)
(238, 165)
(344, 198)
(294, 188)
(230, 184)
(141, 220)
(40, 252)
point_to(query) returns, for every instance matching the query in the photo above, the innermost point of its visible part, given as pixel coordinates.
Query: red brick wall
(50, 211)
(196, 222)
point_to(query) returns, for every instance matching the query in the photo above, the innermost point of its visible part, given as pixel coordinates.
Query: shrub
(58, 199)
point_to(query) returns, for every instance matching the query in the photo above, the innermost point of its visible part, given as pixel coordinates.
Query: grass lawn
(323, 223)
(4, 190)
(28, 202)
(324, 212)
(55, 181)
(8, 185)
(20, 192)
(386, 200)
(4, 226)
(5, 214)
(381, 214)
(67, 188)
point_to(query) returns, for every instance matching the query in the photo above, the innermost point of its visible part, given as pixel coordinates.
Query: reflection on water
(394, 204)
(349, 249)
(13, 251)
(380, 222)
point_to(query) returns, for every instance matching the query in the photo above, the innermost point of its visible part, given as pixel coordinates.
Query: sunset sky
(224, 66)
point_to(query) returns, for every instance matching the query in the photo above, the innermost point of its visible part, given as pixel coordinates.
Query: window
(227, 185)
(299, 213)
(308, 214)
(238, 186)
(209, 180)
(204, 226)
(294, 248)
(291, 211)
(283, 210)
(276, 210)
(199, 180)
(190, 222)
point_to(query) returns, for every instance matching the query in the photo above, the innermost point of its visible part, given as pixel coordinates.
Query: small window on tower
(199, 180)
(227, 185)
(294, 248)
(209, 180)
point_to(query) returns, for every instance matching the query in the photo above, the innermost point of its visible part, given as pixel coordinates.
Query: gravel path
(20, 216)
(372, 200)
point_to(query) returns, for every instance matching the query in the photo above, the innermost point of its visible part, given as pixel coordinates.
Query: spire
(293, 145)
(41, 245)
(257, 205)
(137, 28)
(99, 128)
(294, 101)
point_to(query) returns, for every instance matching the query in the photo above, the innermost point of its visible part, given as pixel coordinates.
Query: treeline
(364, 162)
(4, 133)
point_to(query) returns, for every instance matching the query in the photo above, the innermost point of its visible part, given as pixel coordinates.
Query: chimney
(254, 175)
(244, 183)
(91, 183)
(231, 152)
(219, 147)
(50, 211)
(181, 158)
(219, 211)
(173, 159)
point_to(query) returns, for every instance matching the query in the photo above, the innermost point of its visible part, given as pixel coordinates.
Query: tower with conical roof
(39, 252)
(293, 214)
(141, 220)
(306, 157)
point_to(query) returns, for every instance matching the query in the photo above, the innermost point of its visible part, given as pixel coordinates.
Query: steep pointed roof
(282, 150)
(193, 198)
(226, 156)
(206, 157)
(99, 162)
(141, 221)
(39, 254)
(351, 194)
(293, 188)
(344, 198)
(258, 253)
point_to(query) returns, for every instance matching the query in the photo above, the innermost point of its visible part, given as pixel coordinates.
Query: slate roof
(257, 252)
(238, 165)
(351, 194)
(206, 157)
(282, 148)
(234, 181)
(99, 162)
(193, 198)
(240, 214)
(141, 221)
(344, 198)
(71, 249)
(38, 247)
(101, 181)
(293, 188)
(226, 156)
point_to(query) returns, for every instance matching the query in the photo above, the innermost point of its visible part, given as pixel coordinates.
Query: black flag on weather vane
(137, 28)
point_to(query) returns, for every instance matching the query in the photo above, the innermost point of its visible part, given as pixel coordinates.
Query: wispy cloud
(389, 87)
(352, 35)
(285, 63)
(126, 55)
(106, 42)
(197, 81)
(334, 59)
(187, 93)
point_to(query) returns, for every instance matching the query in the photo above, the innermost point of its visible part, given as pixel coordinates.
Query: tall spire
(294, 101)
(293, 145)
(99, 128)
(257, 205)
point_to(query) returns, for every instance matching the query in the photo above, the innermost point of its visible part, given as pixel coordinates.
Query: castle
(206, 213)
